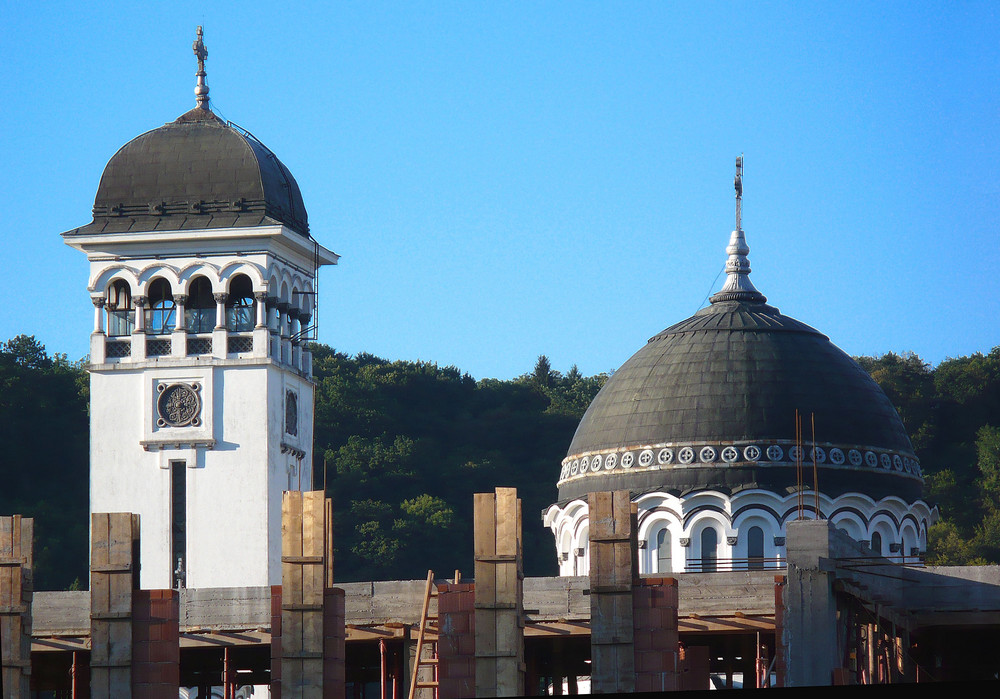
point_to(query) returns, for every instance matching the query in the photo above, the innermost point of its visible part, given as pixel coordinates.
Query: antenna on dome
(201, 88)
(738, 286)
(738, 183)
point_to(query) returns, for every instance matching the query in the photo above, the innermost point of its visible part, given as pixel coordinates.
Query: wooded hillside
(403, 445)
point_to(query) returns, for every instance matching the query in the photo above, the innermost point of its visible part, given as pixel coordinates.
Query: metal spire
(738, 286)
(201, 89)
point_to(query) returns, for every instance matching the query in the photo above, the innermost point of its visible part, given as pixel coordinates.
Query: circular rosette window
(178, 405)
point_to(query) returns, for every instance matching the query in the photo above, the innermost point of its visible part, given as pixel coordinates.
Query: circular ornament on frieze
(752, 453)
(775, 453)
(627, 459)
(707, 455)
(871, 459)
(730, 454)
(818, 454)
(574, 468)
(646, 457)
(595, 463)
(610, 461)
(665, 456)
(854, 456)
(837, 456)
(897, 462)
(584, 464)
(686, 455)
(178, 405)
(885, 461)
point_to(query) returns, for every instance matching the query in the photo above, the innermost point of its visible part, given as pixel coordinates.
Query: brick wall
(654, 618)
(457, 641)
(275, 641)
(334, 651)
(155, 644)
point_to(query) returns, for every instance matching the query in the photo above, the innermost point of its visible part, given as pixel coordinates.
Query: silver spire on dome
(201, 89)
(738, 286)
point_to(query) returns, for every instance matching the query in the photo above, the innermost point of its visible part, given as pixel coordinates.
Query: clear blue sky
(510, 179)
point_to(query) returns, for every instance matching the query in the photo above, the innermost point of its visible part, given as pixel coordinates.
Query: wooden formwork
(306, 577)
(113, 576)
(499, 575)
(613, 573)
(15, 604)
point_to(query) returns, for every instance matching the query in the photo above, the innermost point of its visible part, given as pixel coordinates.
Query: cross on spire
(201, 53)
(738, 286)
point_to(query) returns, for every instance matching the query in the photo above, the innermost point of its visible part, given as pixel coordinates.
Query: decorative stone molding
(736, 454)
(731, 540)
(684, 542)
(178, 405)
(779, 541)
(98, 301)
(299, 454)
(220, 297)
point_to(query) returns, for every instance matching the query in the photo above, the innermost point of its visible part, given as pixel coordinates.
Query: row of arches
(197, 311)
(710, 531)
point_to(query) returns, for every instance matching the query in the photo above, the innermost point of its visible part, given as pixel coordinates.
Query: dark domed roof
(195, 172)
(701, 403)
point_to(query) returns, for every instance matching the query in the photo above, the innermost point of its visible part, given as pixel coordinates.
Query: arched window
(663, 564)
(160, 314)
(876, 543)
(755, 548)
(709, 549)
(121, 319)
(583, 559)
(239, 306)
(199, 314)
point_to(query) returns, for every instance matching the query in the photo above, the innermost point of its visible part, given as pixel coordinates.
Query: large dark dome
(195, 172)
(710, 403)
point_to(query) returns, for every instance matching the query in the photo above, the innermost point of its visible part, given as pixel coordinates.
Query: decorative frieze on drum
(777, 453)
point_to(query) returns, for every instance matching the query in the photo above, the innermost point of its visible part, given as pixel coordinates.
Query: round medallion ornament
(574, 467)
(818, 454)
(854, 456)
(627, 459)
(707, 455)
(897, 462)
(885, 461)
(564, 473)
(610, 461)
(686, 455)
(595, 463)
(837, 456)
(775, 453)
(795, 454)
(752, 453)
(646, 457)
(871, 459)
(584, 464)
(730, 454)
(665, 456)
(178, 405)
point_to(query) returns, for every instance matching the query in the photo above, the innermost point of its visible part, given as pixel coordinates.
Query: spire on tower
(201, 88)
(738, 286)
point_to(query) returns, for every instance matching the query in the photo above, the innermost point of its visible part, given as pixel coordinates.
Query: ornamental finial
(201, 88)
(738, 286)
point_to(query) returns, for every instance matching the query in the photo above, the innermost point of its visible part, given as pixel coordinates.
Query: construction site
(831, 614)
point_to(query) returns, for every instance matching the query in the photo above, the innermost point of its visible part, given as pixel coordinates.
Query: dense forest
(401, 447)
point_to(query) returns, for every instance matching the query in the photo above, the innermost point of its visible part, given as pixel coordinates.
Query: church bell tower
(203, 275)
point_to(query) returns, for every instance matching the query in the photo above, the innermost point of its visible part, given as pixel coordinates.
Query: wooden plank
(328, 520)
(114, 545)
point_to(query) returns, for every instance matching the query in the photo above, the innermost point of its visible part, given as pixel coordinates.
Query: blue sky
(505, 180)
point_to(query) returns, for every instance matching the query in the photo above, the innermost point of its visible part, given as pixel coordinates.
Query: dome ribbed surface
(735, 373)
(195, 172)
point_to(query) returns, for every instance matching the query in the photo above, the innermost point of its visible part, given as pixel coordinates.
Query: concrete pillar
(809, 618)
(15, 605)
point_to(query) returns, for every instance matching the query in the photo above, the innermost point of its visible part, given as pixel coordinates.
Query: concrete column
(139, 302)
(809, 634)
(180, 302)
(260, 307)
(220, 310)
(178, 338)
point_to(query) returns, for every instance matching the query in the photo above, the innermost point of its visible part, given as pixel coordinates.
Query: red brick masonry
(654, 622)
(457, 641)
(155, 644)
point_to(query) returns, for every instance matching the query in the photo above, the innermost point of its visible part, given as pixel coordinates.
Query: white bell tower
(204, 278)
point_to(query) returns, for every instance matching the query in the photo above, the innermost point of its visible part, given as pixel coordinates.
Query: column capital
(139, 301)
(220, 297)
(260, 296)
(181, 299)
(98, 301)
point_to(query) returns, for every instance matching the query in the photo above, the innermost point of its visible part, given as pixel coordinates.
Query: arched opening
(199, 313)
(160, 315)
(239, 306)
(662, 553)
(876, 543)
(582, 553)
(709, 549)
(121, 320)
(755, 548)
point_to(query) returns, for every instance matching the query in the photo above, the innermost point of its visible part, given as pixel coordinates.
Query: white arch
(108, 275)
(250, 269)
(199, 269)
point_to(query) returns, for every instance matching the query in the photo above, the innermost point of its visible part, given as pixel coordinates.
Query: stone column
(139, 334)
(294, 325)
(261, 336)
(220, 336)
(98, 302)
(220, 310)
(284, 337)
(178, 338)
(306, 363)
